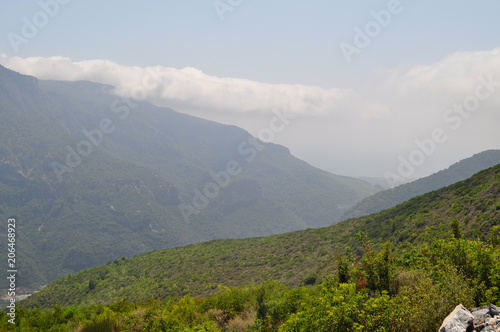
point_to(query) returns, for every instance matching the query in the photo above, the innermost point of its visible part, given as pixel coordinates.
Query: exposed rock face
(483, 319)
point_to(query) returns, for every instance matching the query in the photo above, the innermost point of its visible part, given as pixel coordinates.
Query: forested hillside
(469, 209)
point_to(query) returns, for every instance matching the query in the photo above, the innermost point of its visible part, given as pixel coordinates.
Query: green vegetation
(411, 291)
(460, 171)
(292, 259)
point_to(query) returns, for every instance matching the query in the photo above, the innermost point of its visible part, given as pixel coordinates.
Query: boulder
(494, 310)
(480, 315)
(460, 320)
(483, 319)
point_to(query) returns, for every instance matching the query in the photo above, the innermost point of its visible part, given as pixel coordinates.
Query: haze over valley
(250, 166)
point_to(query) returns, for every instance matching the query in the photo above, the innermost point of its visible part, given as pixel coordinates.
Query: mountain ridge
(122, 188)
(459, 171)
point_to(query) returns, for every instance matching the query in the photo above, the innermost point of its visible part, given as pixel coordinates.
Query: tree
(495, 236)
(455, 228)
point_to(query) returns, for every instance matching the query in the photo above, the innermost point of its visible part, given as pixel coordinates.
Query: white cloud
(369, 111)
(405, 92)
(188, 87)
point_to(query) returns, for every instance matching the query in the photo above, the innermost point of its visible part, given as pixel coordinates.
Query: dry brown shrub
(220, 317)
(243, 321)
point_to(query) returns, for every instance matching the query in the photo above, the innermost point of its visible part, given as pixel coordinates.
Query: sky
(393, 89)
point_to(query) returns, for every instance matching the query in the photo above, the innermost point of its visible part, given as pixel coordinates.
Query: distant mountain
(381, 182)
(455, 173)
(290, 258)
(91, 177)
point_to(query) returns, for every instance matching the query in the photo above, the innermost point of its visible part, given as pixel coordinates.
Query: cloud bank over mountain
(340, 128)
(187, 87)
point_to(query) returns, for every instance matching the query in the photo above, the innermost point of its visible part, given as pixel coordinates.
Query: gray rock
(483, 319)
(490, 325)
(480, 314)
(460, 320)
(479, 327)
(491, 328)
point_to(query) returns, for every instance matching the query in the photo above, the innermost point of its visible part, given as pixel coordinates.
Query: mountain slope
(183, 149)
(290, 258)
(92, 177)
(392, 197)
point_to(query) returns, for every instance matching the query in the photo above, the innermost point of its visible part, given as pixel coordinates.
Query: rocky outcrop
(460, 320)
(483, 319)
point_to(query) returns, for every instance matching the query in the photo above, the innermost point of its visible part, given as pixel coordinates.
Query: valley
(146, 219)
(89, 184)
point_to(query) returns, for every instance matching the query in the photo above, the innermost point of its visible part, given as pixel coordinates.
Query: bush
(430, 302)
(345, 308)
(101, 326)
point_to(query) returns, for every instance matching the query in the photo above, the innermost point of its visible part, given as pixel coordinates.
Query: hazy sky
(371, 88)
